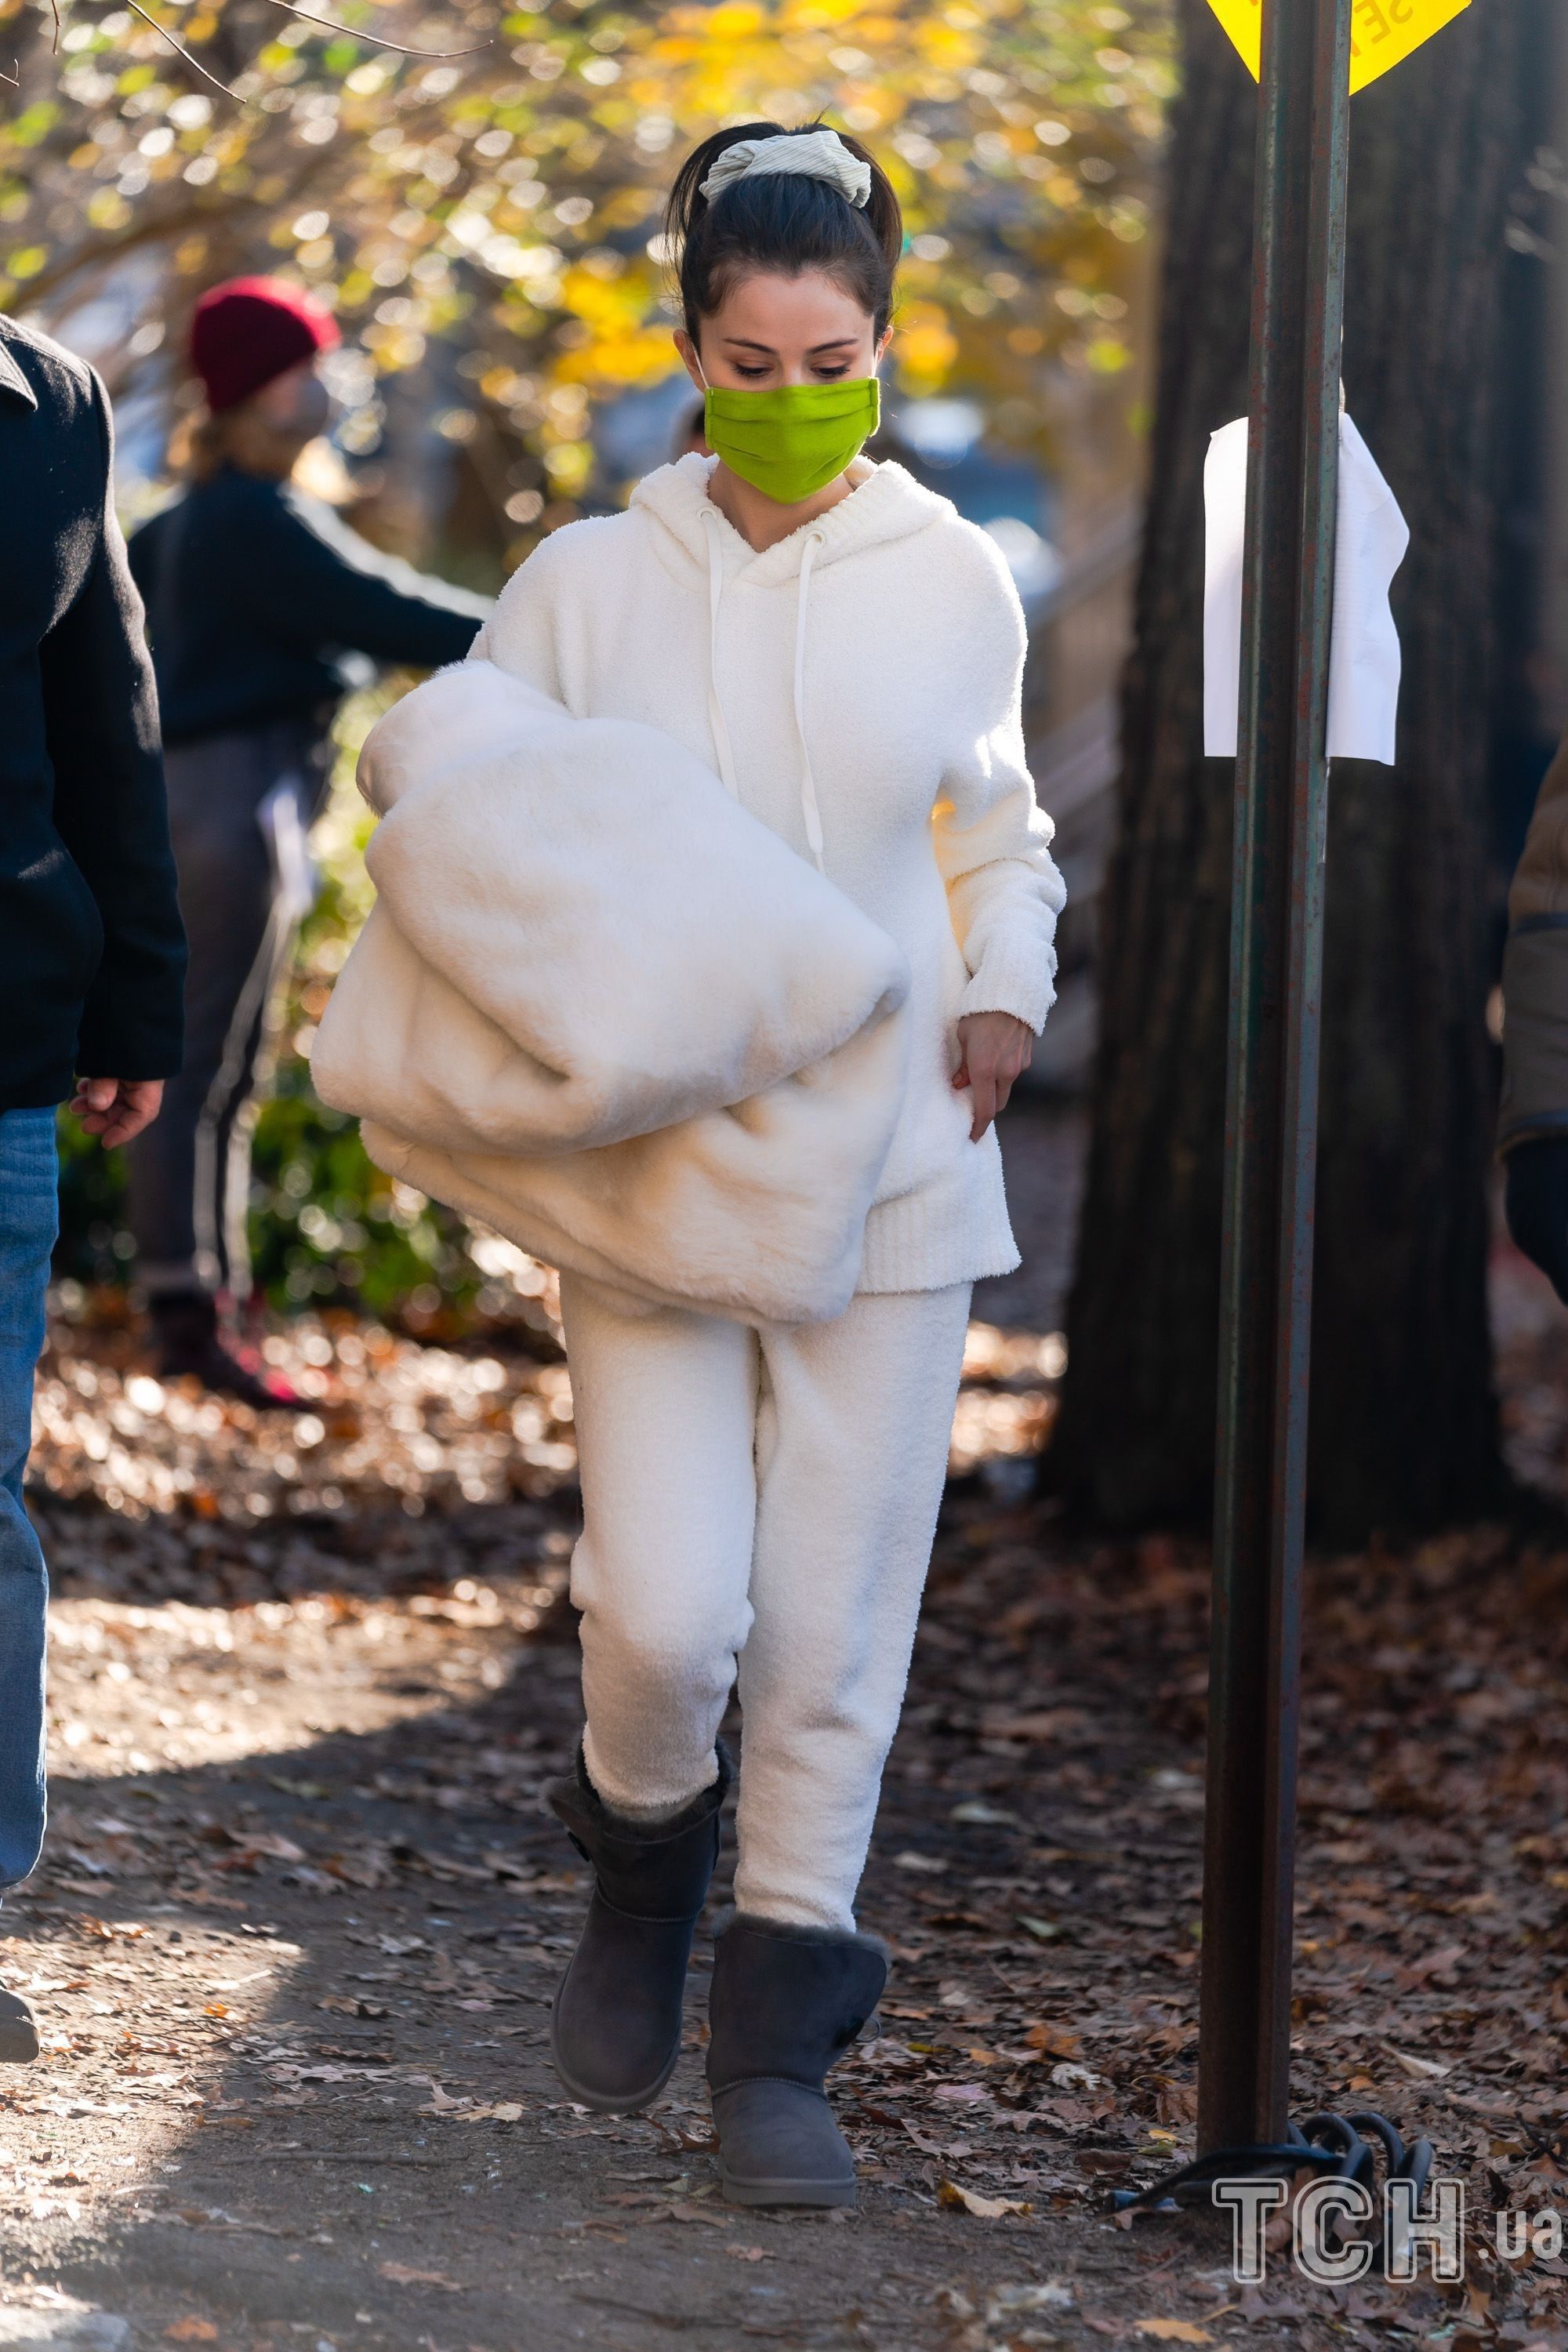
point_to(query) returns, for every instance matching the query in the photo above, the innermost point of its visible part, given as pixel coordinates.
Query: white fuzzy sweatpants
(763, 1501)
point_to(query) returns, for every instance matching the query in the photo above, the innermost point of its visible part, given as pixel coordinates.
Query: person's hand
(994, 1048)
(114, 1109)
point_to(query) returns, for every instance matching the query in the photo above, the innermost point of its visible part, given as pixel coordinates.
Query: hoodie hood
(886, 504)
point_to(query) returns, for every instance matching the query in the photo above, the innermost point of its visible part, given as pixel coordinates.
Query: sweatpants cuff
(660, 1816)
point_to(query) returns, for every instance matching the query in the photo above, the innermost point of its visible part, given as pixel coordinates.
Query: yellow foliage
(612, 362)
(509, 198)
(569, 464)
(733, 20)
(925, 347)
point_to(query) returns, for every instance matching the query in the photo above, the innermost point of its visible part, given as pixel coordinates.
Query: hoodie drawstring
(809, 809)
(716, 722)
(716, 719)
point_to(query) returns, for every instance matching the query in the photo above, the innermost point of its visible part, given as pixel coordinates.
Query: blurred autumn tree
(506, 199)
(487, 226)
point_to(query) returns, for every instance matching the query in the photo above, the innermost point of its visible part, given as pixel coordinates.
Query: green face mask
(791, 442)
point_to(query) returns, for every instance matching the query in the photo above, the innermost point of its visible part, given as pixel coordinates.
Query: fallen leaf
(440, 2103)
(1046, 1723)
(688, 2210)
(269, 1844)
(1172, 2331)
(1049, 2294)
(1424, 2070)
(1054, 2040)
(984, 2209)
(1176, 2103)
(748, 2253)
(403, 2274)
(191, 2331)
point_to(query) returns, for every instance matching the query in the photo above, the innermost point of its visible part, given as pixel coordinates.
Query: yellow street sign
(1381, 31)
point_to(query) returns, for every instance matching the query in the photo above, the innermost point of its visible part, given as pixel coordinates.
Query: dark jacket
(1535, 973)
(91, 951)
(254, 593)
(1533, 1129)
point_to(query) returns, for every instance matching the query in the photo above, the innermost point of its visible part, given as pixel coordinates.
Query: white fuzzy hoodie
(857, 688)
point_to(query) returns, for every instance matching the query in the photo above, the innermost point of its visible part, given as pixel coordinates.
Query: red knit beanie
(252, 330)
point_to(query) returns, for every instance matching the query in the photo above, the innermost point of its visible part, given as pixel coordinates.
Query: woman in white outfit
(847, 652)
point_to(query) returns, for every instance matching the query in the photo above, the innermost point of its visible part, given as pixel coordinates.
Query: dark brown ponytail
(783, 222)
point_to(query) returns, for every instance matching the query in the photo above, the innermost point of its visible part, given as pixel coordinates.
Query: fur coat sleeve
(604, 1010)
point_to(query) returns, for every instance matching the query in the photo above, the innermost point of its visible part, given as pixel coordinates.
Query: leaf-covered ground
(293, 1943)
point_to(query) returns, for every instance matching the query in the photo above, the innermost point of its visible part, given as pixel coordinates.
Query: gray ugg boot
(615, 2026)
(785, 2005)
(18, 2034)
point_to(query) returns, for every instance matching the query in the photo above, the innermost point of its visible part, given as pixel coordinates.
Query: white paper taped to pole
(1363, 662)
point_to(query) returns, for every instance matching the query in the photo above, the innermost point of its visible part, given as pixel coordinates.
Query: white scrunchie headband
(807, 154)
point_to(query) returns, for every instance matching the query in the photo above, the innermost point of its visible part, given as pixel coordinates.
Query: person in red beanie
(247, 333)
(258, 596)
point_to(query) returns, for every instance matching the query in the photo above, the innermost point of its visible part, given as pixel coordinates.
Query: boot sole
(788, 2192)
(602, 2103)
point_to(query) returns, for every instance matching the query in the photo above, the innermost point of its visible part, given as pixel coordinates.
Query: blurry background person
(91, 952)
(254, 592)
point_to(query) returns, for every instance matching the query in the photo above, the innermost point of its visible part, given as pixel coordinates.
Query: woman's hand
(994, 1047)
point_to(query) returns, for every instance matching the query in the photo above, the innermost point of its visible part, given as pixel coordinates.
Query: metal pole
(1281, 785)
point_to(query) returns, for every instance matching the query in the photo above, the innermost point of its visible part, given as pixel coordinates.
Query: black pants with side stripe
(190, 1171)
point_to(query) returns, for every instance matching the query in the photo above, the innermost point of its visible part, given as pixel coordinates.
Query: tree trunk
(1403, 1423)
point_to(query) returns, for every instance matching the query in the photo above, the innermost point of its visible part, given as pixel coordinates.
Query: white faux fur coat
(858, 689)
(600, 1008)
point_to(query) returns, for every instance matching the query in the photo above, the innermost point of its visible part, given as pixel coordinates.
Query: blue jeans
(29, 1215)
